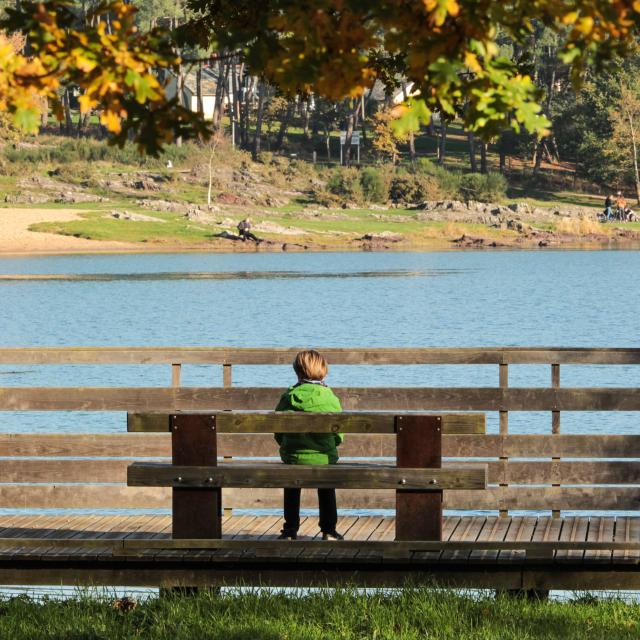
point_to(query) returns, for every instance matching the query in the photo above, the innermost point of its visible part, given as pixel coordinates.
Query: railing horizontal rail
(618, 472)
(73, 496)
(152, 445)
(148, 399)
(362, 356)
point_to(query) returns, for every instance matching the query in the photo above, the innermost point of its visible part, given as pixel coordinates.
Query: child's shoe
(287, 535)
(332, 535)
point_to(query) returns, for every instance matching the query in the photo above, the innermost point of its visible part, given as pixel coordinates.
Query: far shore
(17, 240)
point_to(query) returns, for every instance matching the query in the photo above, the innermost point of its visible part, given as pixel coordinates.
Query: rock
(144, 185)
(134, 217)
(516, 225)
(73, 197)
(231, 198)
(383, 236)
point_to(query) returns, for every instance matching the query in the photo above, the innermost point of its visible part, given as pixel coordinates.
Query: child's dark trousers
(327, 506)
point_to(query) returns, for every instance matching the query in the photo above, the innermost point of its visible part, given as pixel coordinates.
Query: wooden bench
(417, 475)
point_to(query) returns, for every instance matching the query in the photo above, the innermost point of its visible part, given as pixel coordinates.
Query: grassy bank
(329, 615)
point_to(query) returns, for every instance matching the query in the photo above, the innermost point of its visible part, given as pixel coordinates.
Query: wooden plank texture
(260, 356)
(147, 399)
(347, 476)
(141, 445)
(55, 496)
(271, 422)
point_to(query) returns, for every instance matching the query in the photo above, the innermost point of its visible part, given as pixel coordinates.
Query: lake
(440, 299)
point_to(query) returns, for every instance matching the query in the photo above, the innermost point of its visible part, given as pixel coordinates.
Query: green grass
(95, 225)
(411, 614)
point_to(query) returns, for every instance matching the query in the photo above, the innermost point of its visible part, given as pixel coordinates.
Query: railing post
(227, 380)
(419, 444)
(504, 429)
(196, 511)
(555, 429)
(175, 374)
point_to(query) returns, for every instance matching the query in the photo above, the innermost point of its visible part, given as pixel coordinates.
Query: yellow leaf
(585, 25)
(471, 61)
(111, 120)
(571, 17)
(86, 102)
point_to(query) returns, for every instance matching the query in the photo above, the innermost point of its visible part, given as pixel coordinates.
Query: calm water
(575, 298)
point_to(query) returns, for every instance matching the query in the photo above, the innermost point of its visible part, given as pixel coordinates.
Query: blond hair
(310, 365)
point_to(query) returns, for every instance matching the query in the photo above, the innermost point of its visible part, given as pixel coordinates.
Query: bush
(488, 187)
(413, 188)
(448, 181)
(345, 182)
(375, 188)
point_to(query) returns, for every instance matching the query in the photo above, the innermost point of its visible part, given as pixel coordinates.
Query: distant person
(608, 207)
(621, 206)
(244, 229)
(310, 393)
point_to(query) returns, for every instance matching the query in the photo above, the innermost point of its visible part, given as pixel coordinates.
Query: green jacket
(309, 448)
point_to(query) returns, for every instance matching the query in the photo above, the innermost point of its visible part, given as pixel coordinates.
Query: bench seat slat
(345, 476)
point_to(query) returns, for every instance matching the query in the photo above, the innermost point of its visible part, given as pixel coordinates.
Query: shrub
(488, 187)
(448, 181)
(411, 188)
(375, 188)
(345, 182)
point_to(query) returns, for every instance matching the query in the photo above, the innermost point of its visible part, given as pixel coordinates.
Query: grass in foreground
(322, 615)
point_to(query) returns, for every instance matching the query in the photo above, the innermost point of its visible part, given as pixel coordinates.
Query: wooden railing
(513, 483)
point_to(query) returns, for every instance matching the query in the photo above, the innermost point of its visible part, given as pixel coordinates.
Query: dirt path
(15, 236)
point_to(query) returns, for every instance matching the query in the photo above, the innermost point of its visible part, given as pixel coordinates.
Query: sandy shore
(15, 236)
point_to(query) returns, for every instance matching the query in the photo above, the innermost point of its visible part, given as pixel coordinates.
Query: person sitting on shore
(244, 229)
(310, 393)
(621, 206)
(608, 207)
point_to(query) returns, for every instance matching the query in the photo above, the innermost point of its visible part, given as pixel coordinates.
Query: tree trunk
(327, 140)
(199, 103)
(66, 102)
(472, 152)
(412, 146)
(44, 114)
(284, 125)
(442, 142)
(258, 132)
(634, 147)
(483, 157)
(217, 103)
(249, 88)
(346, 157)
(502, 153)
(306, 119)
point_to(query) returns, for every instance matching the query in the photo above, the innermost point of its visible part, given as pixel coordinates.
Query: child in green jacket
(310, 393)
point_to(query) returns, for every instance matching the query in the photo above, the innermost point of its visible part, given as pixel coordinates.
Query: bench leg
(419, 444)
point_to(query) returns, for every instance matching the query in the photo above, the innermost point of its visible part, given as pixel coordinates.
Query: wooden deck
(509, 569)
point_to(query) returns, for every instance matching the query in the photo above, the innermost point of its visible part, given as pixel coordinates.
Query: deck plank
(600, 530)
(467, 533)
(627, 530)
(495, 530)
(574, 528)
(520, 529)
